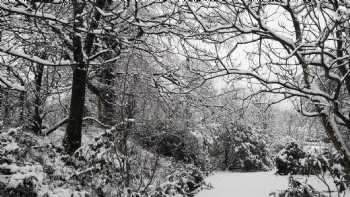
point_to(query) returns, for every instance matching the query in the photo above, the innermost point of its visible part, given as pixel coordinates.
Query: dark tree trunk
(37, 118)
(72, 139)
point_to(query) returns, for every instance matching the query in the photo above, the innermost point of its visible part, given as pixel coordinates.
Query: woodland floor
(254, 184)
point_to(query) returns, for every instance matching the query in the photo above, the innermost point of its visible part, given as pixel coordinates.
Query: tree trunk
(24, 108)
(37, 118)
(106, 104)
(335, 136)
(327, 119)
(72, 139)
(5, 108)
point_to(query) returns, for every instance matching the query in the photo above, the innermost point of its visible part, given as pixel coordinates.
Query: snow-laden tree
(88, 36)
(294, 49)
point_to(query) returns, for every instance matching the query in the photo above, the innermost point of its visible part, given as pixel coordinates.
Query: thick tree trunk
(335, 136)
(327, 119)
(72, 139)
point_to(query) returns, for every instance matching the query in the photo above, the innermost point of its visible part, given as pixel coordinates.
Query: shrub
(178, 144)
(239, 147)
(183, 179)
(288, 160)
(299, 189)
(96, 169)
(293, 160)
(183, 146)
(25, 189)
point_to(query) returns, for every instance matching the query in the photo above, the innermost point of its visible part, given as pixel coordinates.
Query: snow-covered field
(253, 184)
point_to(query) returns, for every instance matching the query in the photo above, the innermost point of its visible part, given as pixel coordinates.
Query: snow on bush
(240, 147)
(288, 160)
(20, 173)
(178, 144)
(33, 168)
(299, 189)
(27, 167)
(22, 180)
(293, 160)
(110, 172)
(181, 180)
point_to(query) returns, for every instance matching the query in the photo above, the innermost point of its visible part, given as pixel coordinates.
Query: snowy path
(249, 184)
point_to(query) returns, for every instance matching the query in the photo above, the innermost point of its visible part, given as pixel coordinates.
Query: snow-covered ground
(253, 184)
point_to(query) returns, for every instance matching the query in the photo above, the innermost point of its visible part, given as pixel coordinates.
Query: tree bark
(106, 104)
(327, 119)
(37, 118)
(72, 139)
(333, 134)
(5, 107)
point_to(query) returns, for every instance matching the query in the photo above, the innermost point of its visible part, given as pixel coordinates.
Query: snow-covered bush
(182, 146)
(293, 160)
(101, 167)
(182, 180)
(178, 144)
(299, 189)
(96, 169)
(288, 160)
(23, 181)
(279, 143)
(328, 164)
(27, 188)
(240, 147)
(31, 168)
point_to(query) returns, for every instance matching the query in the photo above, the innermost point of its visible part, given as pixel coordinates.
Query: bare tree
(297, 49)
(89, 36)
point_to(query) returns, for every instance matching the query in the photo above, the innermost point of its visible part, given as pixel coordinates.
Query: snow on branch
(65, 120)
(308, 93)
(11, 85)
(41, 15)
(103, 13)
(35, 59)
